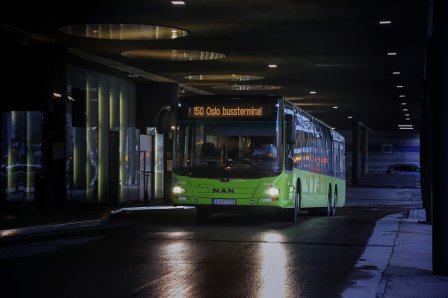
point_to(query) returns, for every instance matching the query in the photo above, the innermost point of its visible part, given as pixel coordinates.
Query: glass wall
(22, 159)
(103, 150)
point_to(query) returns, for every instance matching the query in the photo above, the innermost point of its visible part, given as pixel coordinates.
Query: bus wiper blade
(240, 162)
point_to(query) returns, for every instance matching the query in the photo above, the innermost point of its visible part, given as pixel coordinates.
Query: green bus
(215, 168)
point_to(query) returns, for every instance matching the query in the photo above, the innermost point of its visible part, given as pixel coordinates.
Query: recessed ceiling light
(176, 55)
(350, 117)
(117, 31)
(400, 86)
(333, 128)
(406, 115)
(223, 77)
(403, 103)
(238, 87)
(313, 92)
(405, 126)
(408, 119)
(402, 96)
(272, 65)
(178, 2)
(335, 107)
(392, 54)
(405, 110)
(385, 22)
(396, 72)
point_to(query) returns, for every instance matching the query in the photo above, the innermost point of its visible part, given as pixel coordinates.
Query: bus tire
(292, 214)
(297, 208)
(329, 202)
(335, 202)
(202, 214)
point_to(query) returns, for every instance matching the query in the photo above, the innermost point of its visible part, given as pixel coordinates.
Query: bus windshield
(223, 148)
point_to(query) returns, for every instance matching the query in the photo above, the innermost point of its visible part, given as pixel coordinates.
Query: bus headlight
(273, 191)
(178, 190)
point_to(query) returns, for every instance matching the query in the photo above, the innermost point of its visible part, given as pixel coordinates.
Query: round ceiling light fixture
(174, 55)
(223, 77)
(124, 31)
(237, 87)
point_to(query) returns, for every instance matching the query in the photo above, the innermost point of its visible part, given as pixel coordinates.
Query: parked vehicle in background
(404, 169)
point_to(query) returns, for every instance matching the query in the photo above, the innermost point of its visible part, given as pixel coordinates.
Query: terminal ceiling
(336, 48)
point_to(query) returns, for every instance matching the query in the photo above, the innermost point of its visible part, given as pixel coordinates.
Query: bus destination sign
(225, 111)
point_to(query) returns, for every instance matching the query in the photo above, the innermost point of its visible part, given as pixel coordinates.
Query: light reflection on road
(273, 275)
(179, 267)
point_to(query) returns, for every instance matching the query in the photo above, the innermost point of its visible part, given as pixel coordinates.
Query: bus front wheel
(292, 214)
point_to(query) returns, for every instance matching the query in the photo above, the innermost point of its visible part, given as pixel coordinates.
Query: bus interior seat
(208, 150)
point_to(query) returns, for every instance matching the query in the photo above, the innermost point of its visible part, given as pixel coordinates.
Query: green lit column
(123, 139)
(29, 153)
(14, 117)
(103, 140)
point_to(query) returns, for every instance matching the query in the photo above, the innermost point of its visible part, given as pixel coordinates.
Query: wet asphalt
(168, 253)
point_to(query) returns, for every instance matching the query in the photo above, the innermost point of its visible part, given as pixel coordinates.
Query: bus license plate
(223, 202)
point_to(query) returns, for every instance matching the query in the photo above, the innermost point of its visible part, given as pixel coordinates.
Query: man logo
(223, 190)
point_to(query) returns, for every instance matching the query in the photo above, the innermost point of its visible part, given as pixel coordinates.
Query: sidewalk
(397, 261)
(409, 272)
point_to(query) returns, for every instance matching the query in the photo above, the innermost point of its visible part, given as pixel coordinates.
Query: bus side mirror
(290, 129)
(164, 119)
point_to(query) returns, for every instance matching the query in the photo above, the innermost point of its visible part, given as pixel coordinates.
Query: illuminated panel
(210, 110)
(228, 108)
(122, 140)
(89, 136)
(219, 111)
(14, 119)
(103, 140)
(29, 154)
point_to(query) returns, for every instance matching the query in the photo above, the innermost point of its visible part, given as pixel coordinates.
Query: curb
(70, 226)
(375, 259)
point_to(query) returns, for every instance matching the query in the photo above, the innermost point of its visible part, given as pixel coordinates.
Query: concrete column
(439, 108)
(364, 150)
(55, 128)
(426, 161)
(151, 97)
(355, 153)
